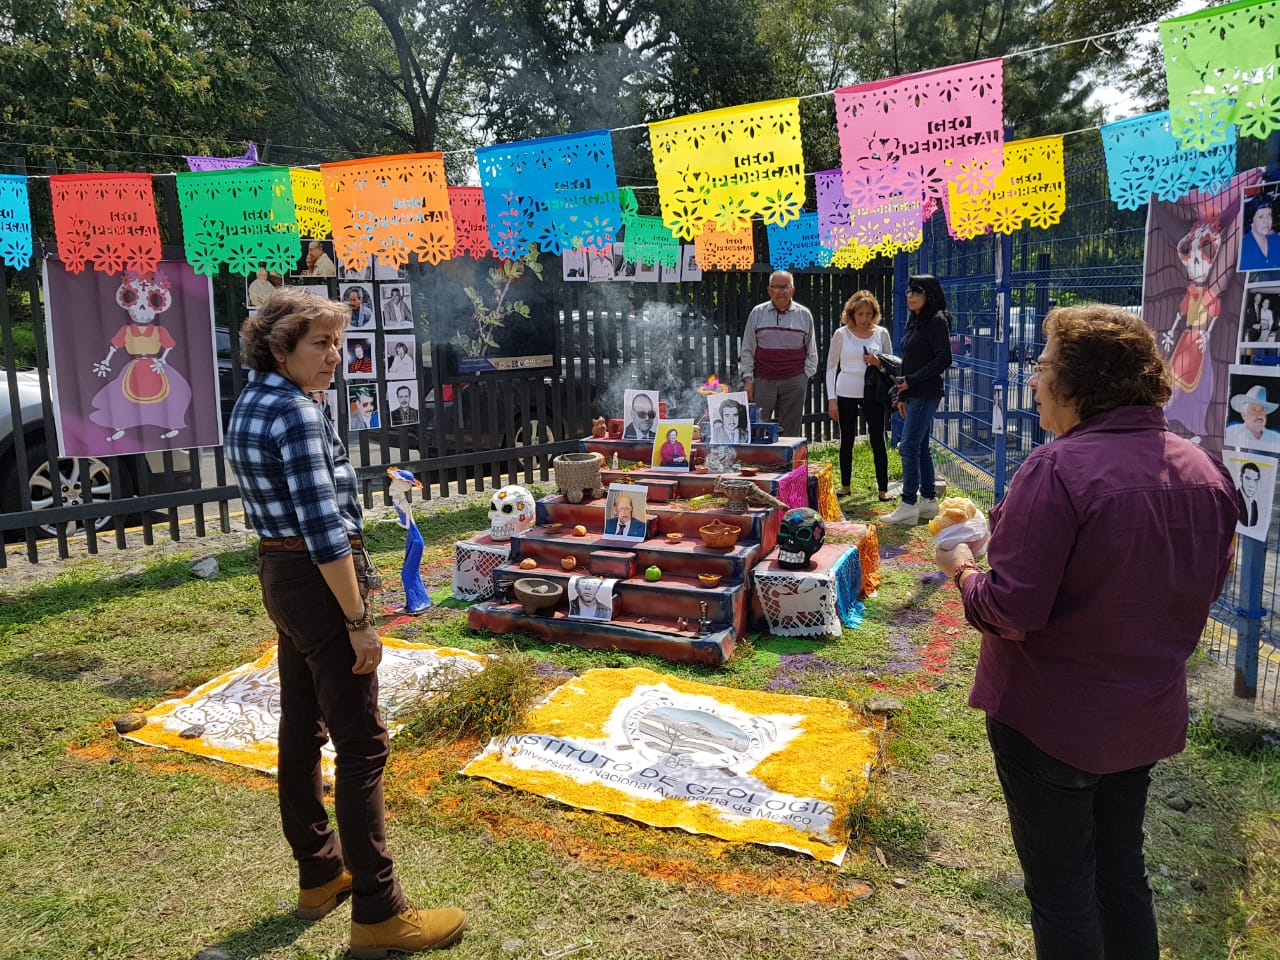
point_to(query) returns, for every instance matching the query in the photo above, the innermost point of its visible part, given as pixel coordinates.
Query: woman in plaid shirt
(300, 495)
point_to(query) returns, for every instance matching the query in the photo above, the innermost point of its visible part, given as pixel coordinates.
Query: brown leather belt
(296, 544)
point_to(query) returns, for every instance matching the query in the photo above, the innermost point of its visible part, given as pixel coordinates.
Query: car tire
(94, 487)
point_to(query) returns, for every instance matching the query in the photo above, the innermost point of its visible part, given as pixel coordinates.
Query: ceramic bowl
(675, 536)
(709, 579)
(719, 534)
(536, 594)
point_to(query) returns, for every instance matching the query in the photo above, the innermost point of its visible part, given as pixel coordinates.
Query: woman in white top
(857, 344)
(400, 361)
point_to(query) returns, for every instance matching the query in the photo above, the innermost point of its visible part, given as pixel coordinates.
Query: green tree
(115, 82)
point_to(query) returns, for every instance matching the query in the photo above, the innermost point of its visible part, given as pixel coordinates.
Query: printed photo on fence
(1255, 480)
(600, 264)
(133, 361)
(328, 403)
(591, 598)
(690, 272)
(260, 286)
(626, 511)
(1252, 421)
(362, 407)
(401, 356)
(359, 356)
(1191, 296)
(397, 306)
(639, 414)
(1259, 221)
(359, 300)
(1260, 317)
(672, 445)
(317, 260)
(402, 401)
(348, 272)
(573, 265)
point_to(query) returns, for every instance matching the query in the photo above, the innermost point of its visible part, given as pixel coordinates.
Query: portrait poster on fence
(317, 260)
(741, 765)
(1252, 419)
(671, 446)
(133, 360)
(1255, 479)
(1191, 292)
(1259, 221)
(1260, 318)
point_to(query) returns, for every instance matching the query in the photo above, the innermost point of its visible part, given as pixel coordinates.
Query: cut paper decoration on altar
(15, 221)
(556, 192)
(1031, 188)
(1221, 68)
(309, 204)
(648, 239)
(107, 220)
(134, 368)
(1191, 295)
(235, 717)
(729, 165)
(740, 765)
(390, 207)
(856, 235)
(916, 135)
(796, 244)
(204, 164)
(1259, 220)
(470, 228)
(718, 249)
(1254, 477)
(1143, 158)
(243, 218)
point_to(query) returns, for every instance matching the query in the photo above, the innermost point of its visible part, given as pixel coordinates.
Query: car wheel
(532, 431)
(80, 480)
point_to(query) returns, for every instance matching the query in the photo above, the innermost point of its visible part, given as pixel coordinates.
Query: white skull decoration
(512, 510)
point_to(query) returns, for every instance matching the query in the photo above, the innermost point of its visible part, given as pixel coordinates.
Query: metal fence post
(1253, 563)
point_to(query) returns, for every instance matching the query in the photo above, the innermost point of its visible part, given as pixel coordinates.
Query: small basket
(719, 534)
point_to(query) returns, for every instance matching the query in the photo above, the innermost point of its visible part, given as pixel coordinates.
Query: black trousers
(1079, 839)
(320, 698)
(876, 416)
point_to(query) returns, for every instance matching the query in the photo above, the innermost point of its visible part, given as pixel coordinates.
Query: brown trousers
(320, 698)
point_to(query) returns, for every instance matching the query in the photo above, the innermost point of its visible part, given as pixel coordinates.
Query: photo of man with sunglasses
(641, 414)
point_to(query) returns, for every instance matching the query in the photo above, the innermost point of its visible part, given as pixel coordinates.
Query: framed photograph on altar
(591, 598)
(626, 511)
(1259, 220)
(639, 414)
(1260, 317)
(672, 445)
(1255, 478)
(1253, 399)
(729, 416)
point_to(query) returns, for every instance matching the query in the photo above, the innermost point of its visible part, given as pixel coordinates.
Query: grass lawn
(115, 850)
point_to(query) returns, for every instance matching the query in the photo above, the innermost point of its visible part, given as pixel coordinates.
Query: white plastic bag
(974, 533)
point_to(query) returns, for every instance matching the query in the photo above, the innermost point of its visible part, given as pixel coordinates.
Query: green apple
(653, 574)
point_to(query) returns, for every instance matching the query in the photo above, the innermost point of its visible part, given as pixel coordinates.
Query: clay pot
(709, 580)
(748, 471)
(536, 594)
(599, 428)
(719, 534)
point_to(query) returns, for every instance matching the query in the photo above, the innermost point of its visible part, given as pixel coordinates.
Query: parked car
(82, 480)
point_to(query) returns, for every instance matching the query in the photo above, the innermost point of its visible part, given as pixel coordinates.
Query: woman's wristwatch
(362, 622)
(959, 574)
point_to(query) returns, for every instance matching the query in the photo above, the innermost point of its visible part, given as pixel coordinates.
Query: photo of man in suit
(626, 512)
(641, 415)
(1247, 494)
(729, 423)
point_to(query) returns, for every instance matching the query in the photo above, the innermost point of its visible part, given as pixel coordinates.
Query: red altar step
(782, 456)
(604, 556)
(689, 485)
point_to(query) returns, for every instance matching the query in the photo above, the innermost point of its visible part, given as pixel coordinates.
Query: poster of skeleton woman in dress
(133, 360)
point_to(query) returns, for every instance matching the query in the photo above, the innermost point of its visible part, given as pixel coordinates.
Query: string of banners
(908, 146)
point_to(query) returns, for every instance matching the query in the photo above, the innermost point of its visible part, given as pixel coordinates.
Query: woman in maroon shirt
(1106, 554)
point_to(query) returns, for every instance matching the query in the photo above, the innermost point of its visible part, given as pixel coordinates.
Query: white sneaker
(905, 513)
(928, 508)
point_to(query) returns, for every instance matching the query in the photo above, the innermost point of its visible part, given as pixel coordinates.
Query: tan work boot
(319, 901)
(408, 931)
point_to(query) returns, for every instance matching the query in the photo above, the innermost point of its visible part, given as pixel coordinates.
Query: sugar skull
(511, 511)
(800, 537)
